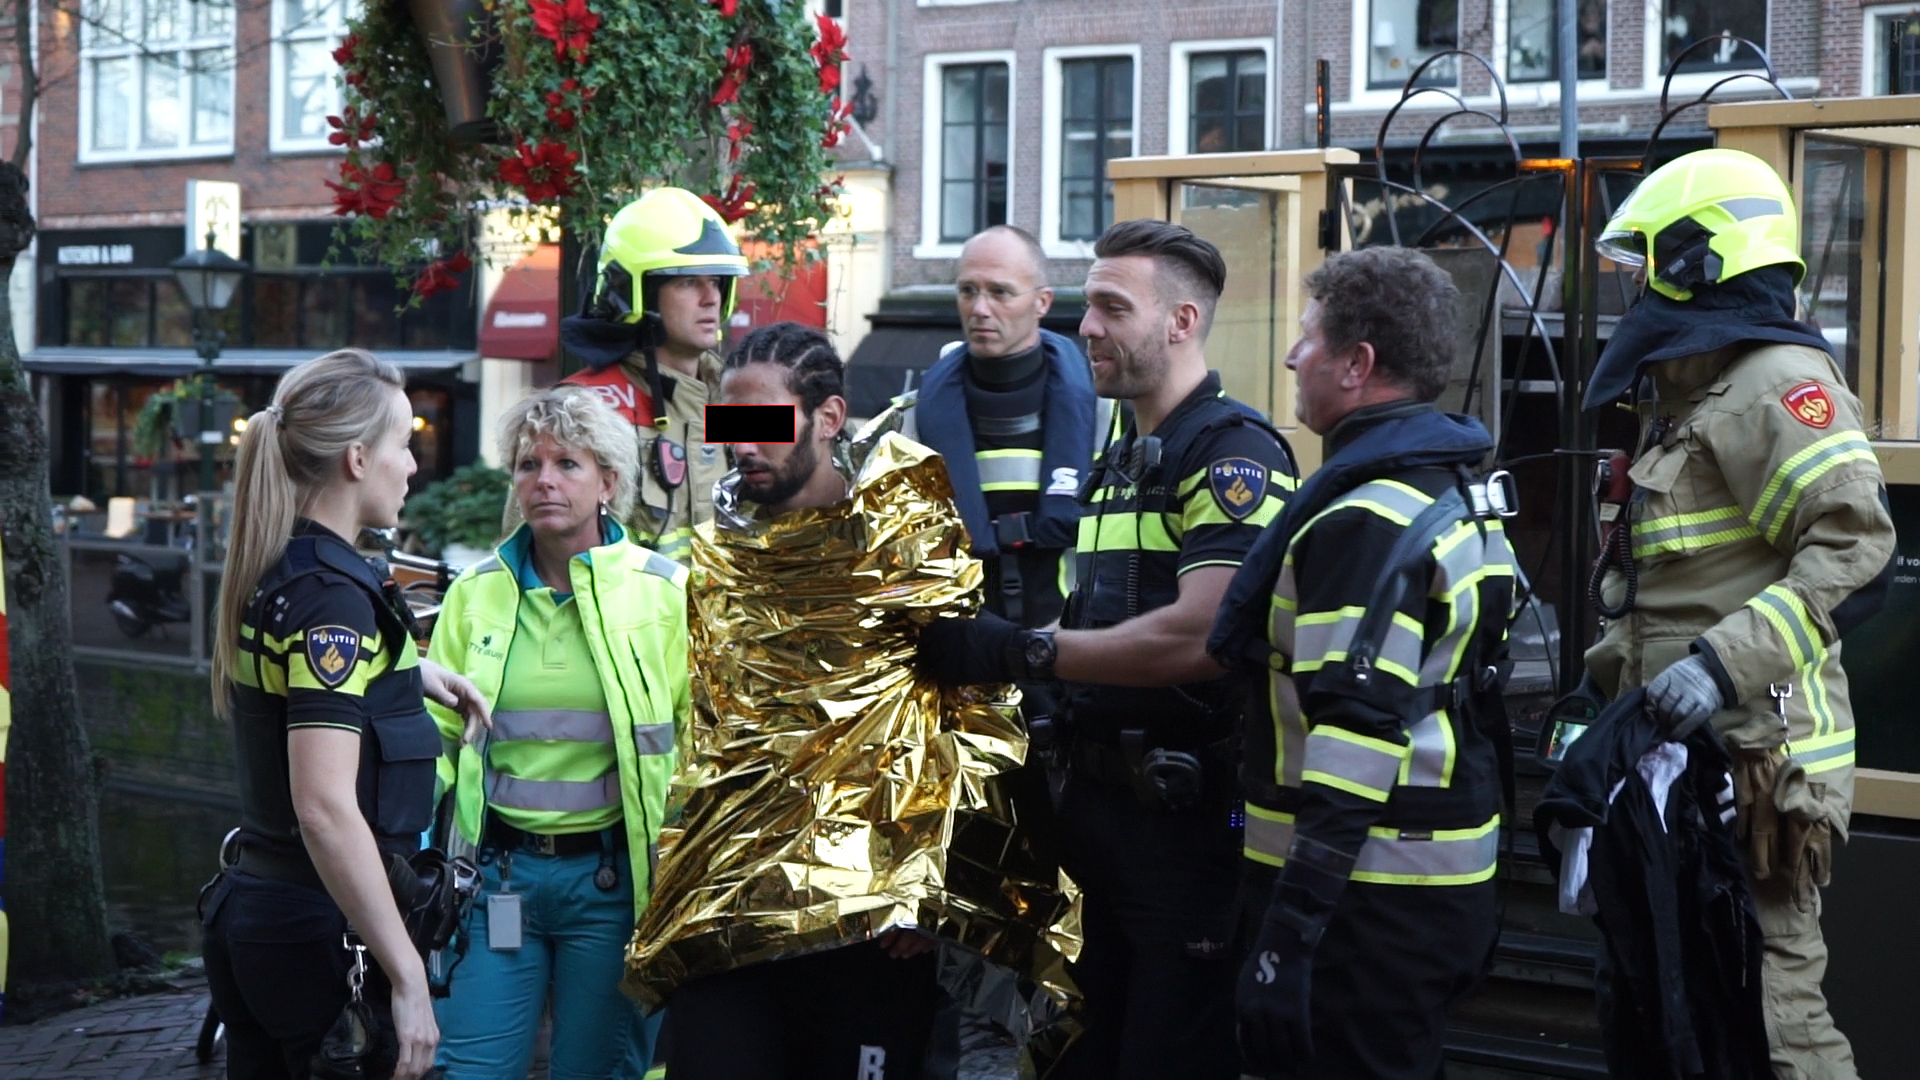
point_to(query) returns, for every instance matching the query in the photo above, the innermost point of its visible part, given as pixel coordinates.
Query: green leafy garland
(596, 101)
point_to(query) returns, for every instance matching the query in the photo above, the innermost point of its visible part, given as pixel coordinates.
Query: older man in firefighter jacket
(649, 337)
(1376, 610)
(1757, 533)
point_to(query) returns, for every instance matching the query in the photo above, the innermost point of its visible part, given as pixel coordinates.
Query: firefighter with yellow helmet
(1757, 533)
(649, 335)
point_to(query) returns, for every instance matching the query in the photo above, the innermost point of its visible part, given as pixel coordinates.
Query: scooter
(142, 597)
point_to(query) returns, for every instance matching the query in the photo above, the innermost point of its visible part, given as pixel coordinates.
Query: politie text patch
(1239, 484)
(331, 651)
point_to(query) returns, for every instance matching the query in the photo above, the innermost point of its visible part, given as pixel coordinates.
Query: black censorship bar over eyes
(750, 423)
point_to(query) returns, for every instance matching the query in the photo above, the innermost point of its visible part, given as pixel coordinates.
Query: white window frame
(1359, 95)
(277, 141)
(932, 98)
(1871, 68)
(91, 50)
(1053, 118)
(1180, 85)
(1502, 34)
(1691, 84)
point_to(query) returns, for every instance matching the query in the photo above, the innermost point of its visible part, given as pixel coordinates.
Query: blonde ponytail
(287, 455)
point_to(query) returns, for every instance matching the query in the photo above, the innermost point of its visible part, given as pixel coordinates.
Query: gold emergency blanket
(824, 793)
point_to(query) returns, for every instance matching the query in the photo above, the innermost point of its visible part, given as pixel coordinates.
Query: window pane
(309, 93)
(1532, 34)
(160, 121)
(1402, 33)
(1250, 133)
(211, 18)
(1592, 39)
(1207, 78)
(1119, 89)
(276, 311)
(1900, 46)
(957, 155)
(374, 298)
(1079, 82)
(956, 209)
(86, 322)
(112, 103)
(305, 16)
(127, 302)
(1691, 21)
(1252, 77)
(162, 22)
(212, 97)
(1209, 135)
(323, 313)
(112, 22)
(995, 93)
(962, 101)
(172, 318)
(1077, 210)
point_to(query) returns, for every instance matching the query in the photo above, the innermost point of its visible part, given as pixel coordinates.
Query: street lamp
(209, 278)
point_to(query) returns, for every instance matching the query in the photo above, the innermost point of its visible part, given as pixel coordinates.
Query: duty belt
(507, 838)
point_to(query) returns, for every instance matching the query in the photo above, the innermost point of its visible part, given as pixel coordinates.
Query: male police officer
(664, 290)
(1146, 813)
(1012, 413)
(1376, 609)
(1758, 534)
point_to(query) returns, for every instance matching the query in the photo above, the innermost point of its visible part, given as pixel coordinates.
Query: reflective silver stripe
(1005, 469)
(1315, 639)
(1807, 650)
(552, 725)
(1351, 763)
(1453, 857)
(1752, 206)
(1432, 741)
(556, 796)
(1777, 499)
(662, 566)
(1691, 531)
(1006, 427)
(1397, 499)
(1839, 745)
(488, 565)
(653, 738)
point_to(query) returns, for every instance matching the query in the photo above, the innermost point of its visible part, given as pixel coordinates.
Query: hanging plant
(590, 103)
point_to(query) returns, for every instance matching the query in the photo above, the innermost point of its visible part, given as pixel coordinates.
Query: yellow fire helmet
(667, 232)
(1704, 218)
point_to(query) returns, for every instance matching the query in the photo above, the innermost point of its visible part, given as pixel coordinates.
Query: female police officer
(317, 671)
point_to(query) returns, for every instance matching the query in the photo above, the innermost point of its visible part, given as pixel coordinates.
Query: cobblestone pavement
(136, 1038)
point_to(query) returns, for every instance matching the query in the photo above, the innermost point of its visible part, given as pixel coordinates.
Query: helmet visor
(1623, 247)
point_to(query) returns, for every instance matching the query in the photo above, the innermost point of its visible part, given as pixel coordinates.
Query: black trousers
(1394, 959)
(1159, 891)
(849, 1013)
(277, 971)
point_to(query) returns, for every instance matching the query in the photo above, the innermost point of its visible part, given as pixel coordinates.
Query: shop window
(1402, 33)
(156, 77)
(1096, 126)
(1227, 99)
(973, 149)
(1533, 40)
(1899, 55)
(306, 81)
(1691, 21)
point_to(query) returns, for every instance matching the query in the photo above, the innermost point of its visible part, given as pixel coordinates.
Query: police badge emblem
(331, 653)
(1239, 485)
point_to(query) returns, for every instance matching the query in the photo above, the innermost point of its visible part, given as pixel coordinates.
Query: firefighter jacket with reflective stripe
(633, 609)
(665, 513)
(1385, 760)
(1760, 534)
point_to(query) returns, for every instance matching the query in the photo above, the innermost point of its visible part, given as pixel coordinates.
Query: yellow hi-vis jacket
(1761, 534)
(634, 613)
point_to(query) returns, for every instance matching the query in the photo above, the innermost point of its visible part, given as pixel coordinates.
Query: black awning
(173, 363)
(889, 362)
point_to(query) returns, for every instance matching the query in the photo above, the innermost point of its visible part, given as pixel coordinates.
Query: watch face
(1040, 650)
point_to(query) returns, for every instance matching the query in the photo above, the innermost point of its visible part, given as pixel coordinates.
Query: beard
(788, 477)
(1134, 372)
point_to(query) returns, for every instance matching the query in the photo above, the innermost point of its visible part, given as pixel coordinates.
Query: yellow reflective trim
(1365, 742)
(1824, 753)
(1351, 787)
(1127, 532)
(1207, 511)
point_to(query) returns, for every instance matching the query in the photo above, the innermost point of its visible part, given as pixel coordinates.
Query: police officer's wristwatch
(1034, 654)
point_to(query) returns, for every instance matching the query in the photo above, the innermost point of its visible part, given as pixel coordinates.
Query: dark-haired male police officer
(1146, 817)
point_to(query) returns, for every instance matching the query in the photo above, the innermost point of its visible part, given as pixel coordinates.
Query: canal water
(157, 850)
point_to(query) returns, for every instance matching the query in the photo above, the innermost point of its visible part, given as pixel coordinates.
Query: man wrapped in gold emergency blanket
(825, 794)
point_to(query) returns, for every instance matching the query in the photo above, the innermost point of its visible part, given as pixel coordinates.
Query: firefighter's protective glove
(971, 652)
(1273, 999)
(1683, 697)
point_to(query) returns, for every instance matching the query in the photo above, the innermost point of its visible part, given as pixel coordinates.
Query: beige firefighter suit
(663, 518)
(1760, 514)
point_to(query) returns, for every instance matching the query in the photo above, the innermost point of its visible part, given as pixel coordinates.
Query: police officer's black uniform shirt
(1006, 399)
(1221, 479)
(322, 647)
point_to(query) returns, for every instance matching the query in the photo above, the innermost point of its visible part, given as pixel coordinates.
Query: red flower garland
(734, 75)
(544, 173)
(372, 192)
(569, 24)
(738, 131)
(441, 275)
(829, 52)
(728, 8)
(734, 204)
(350, 130)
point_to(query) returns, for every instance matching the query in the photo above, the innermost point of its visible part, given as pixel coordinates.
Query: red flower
(837, 124)
(832, 46)
(830, 78)
(739, 58)
(355, 79)
(738, 132)
(569, 24)
(352, 130)
(560, 118)
(344, 54)
(727, 7)
(370, 192)
(442, 275)
(569, 85)
(733, 205)
(545, 172)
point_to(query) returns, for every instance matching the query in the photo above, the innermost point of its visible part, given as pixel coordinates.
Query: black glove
(1683, 697)
(1276, 985)
(970, 652)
